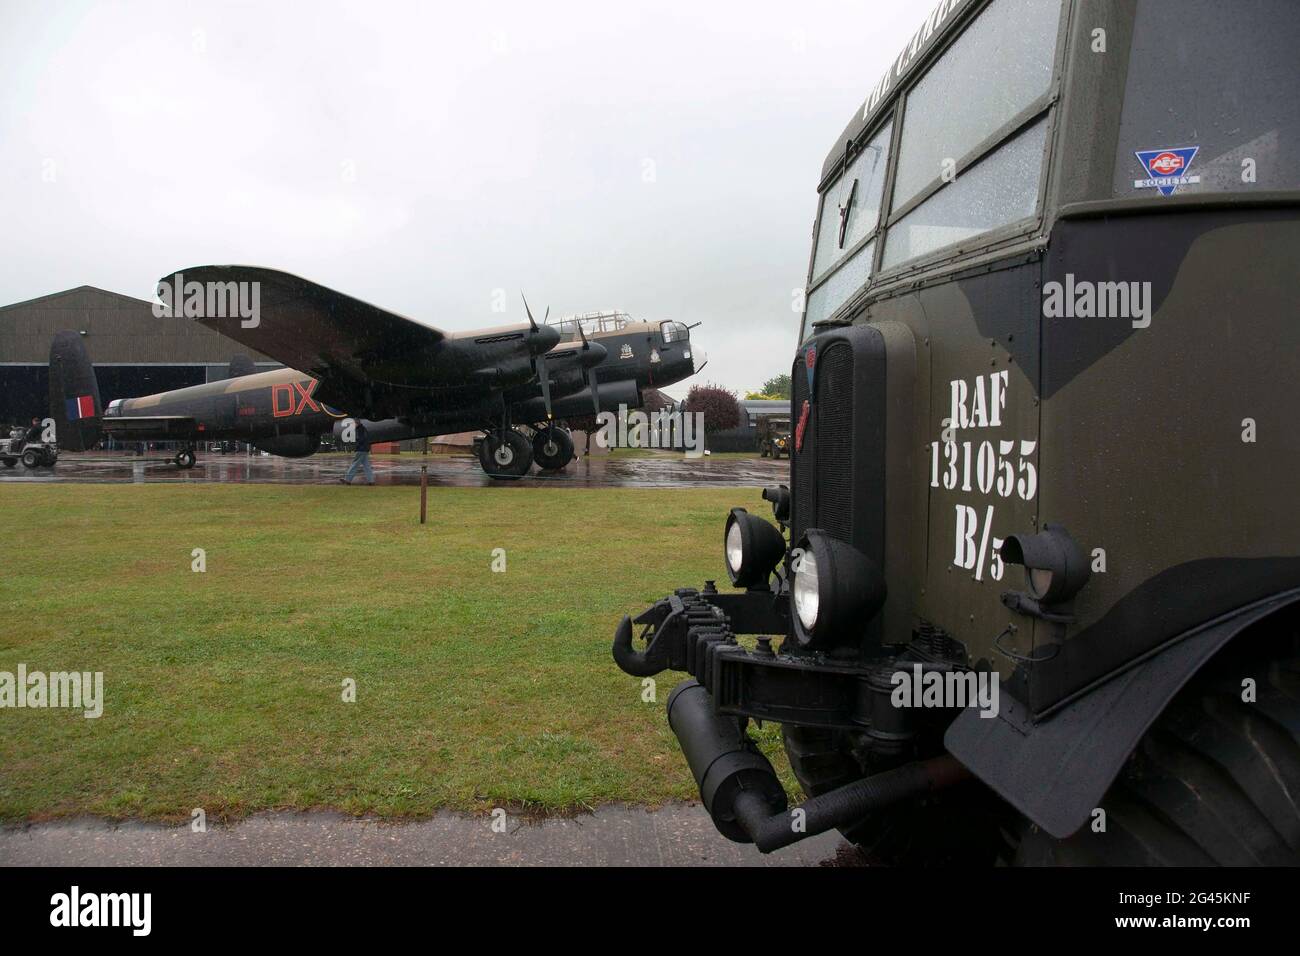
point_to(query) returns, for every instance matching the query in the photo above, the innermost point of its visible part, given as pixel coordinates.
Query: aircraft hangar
(134, 352)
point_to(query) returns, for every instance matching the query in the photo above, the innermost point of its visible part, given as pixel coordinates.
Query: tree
(719, 406)
(778, 387)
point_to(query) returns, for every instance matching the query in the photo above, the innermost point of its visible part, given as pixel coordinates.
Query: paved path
(675, 835)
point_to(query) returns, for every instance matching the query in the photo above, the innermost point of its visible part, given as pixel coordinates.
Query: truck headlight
(806, 599)
(752, 548)
(835, 588)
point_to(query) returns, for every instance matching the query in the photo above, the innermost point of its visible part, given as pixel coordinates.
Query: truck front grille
(821, 472)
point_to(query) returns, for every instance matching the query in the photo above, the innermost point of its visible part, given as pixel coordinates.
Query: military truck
(1032, 592)
(773, 436)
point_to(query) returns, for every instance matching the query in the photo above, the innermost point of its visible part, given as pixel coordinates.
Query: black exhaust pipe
(741, 791)
(723, 759)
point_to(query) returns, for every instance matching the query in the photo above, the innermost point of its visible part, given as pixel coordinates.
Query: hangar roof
(118, 329)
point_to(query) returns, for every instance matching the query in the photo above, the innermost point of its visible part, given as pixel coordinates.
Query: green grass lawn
(223, 689)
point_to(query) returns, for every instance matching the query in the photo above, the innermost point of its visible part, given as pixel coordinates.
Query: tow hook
(667, 623)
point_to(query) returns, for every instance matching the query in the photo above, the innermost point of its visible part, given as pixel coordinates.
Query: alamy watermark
(75, 908)
(946, 689)
(210, 300)
(77, 690)
(1082, 299)
(661, 429)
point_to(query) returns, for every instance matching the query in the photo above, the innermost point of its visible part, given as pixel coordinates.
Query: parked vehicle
(1044, 461)
(16, 448)
(773, 436)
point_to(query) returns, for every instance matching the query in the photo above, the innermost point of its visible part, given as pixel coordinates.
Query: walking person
(360, 458)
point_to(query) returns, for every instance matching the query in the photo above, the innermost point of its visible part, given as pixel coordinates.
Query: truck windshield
(1211, 98)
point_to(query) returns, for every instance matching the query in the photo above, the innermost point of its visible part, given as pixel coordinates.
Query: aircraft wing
(353, 348)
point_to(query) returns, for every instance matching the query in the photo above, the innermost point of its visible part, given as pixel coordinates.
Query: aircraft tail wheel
(185, 459)
(506, 454)
(552, 448)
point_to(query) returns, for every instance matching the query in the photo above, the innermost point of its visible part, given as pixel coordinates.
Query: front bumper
(696, 631)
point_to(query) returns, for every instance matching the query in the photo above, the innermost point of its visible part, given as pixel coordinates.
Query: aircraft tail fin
(241, 364)
(74, 393)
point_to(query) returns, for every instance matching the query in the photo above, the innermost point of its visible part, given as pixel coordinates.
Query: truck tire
(1214, 781)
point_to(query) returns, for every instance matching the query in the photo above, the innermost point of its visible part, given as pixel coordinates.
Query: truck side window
(998, 68)
(1002, 189)
(965, 165)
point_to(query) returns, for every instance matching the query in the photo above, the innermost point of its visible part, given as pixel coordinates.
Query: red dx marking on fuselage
(293, 405)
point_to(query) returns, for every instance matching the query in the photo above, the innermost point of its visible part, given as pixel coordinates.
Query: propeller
(591, 373)
(539, 361)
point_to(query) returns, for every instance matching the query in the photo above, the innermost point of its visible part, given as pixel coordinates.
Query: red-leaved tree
(719, 405)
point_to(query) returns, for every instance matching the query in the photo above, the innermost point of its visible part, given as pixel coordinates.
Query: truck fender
(1057, 770)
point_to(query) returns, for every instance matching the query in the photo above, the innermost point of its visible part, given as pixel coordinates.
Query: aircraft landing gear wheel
(30, 458)
(552, 448)
(506, 454)
(185, 459)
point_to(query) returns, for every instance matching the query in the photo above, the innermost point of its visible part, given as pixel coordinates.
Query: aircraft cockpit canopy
(591, 323)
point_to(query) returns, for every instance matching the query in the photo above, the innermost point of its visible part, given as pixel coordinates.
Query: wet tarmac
(660, 471)
(674, 835)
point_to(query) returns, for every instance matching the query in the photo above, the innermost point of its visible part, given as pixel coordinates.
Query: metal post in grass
(424, 479)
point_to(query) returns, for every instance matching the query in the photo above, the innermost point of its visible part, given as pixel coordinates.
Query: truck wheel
(30, 458)
(959, 828)
(1214, 781)
(10, 462)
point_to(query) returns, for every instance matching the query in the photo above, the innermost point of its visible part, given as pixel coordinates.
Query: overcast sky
(658, 158)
